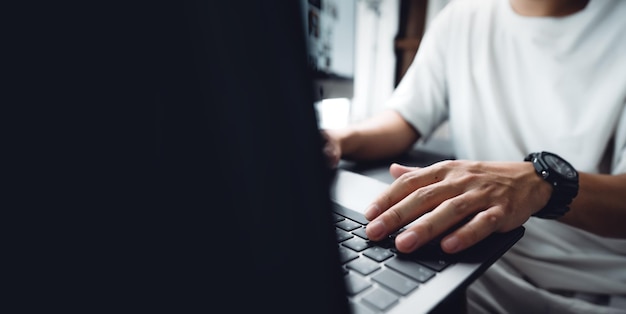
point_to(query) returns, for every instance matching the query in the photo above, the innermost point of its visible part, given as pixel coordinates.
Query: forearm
(384, 135)
(600, 206)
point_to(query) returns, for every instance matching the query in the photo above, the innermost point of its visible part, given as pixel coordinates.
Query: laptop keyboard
(377, 275)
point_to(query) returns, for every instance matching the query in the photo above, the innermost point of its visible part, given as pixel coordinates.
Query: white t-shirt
(511, 85)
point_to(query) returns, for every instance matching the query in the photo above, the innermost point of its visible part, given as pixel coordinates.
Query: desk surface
(380, 169)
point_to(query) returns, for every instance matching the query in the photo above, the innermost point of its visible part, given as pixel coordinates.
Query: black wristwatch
(563, 178)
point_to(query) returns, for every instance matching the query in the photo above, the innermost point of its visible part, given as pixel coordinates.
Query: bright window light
(333, 113)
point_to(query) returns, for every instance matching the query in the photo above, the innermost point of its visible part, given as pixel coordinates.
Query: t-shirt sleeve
(421, 96)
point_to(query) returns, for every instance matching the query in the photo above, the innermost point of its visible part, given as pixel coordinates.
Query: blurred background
(359, 51)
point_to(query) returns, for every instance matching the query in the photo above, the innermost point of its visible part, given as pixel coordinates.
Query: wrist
(541, 191)
(343, 139)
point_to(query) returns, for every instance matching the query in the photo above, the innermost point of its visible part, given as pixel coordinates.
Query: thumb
(397, 170)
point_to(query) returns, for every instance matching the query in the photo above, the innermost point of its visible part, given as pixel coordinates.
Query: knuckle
(468, 179)
(491, 218)
(457, 206)
(472, 178)
(425, 194)
(505, 201)
(445, 166)
(449, 163)
(442, 166)
(408, 179)
(488, 186)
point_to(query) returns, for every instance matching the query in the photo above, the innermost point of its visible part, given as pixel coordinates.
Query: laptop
(207, 190)
(281, 209)
(381, 280)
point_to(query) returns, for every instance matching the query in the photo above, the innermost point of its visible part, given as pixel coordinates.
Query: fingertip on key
(372, 212)
(451, 244)
(375, 230)
(407, 241)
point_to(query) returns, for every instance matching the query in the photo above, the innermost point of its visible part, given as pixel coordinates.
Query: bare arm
(384, 135)
(600, 206)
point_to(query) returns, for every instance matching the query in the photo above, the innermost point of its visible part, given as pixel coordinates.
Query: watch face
(560, 166)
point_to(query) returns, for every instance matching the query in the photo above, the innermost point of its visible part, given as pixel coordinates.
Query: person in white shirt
(514, 77)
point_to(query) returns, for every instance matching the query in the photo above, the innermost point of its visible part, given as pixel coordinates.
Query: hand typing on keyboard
(499, 196)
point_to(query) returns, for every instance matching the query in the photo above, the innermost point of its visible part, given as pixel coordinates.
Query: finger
(409, 208)
(478, 228)
(442, 218)
(396, 170)
(404, 185)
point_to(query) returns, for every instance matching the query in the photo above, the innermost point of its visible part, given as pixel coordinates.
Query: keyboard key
(380, 299)
(346, 255)
(358, 308)
(377, 253)
(355, 284)
(394, 281)
(364, 266)
(431, 256)
(385, 243)
(410, 268)
(348, 225)
(343, 235)
(436, 264)
(360, 232)
(392, 236)
(357, 244)
(356, 216)
(337, 218)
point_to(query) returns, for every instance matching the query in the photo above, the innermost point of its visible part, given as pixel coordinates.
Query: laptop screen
(243, 146)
